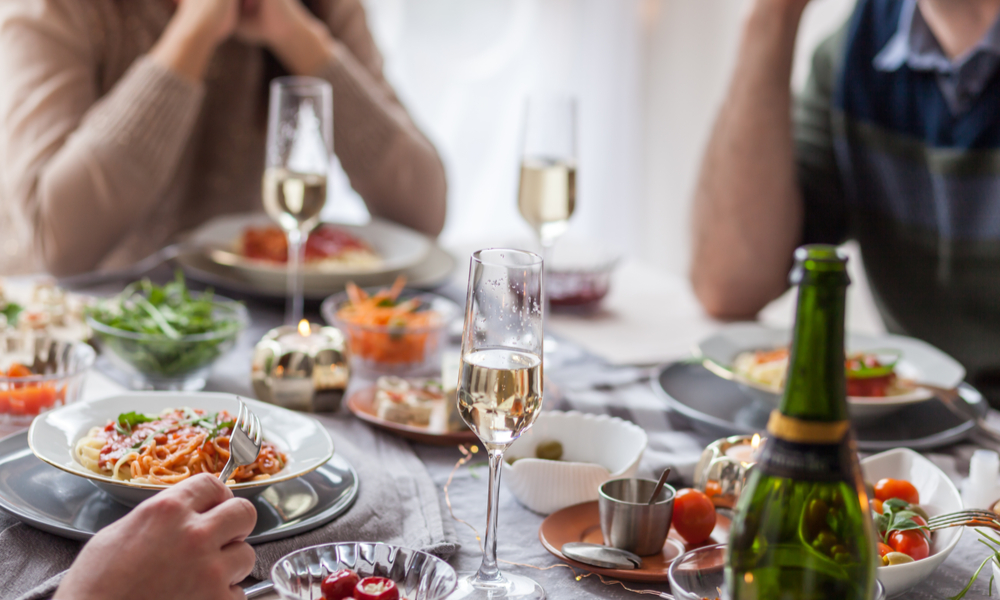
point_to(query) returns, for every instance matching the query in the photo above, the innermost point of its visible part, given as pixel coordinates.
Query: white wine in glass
(500, 389)
(547, 196)
(299, 149)
(547, 192)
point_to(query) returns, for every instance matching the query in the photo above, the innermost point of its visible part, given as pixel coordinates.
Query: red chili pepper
(376, 588)
(339, 585)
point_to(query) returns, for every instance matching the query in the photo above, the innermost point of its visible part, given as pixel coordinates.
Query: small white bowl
(596, 448)
(938, 495)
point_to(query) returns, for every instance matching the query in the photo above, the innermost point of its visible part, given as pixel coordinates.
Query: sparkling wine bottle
(803, 528)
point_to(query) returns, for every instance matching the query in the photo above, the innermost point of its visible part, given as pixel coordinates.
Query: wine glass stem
(488, 571)
(296, 256)
(548, 244)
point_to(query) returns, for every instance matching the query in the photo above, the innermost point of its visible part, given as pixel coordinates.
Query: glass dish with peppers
(40, 373)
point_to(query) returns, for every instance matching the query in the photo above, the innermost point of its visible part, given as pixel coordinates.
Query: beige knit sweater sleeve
(77, 169)
(388, 160)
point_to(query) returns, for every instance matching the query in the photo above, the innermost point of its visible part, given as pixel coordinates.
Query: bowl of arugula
(166, 337)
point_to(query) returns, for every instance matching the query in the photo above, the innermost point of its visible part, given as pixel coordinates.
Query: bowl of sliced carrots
(40, 376)
(391, 330)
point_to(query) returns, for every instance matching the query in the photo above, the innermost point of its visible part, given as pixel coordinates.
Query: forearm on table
(390, 163)
(748, 207)
(109, 175)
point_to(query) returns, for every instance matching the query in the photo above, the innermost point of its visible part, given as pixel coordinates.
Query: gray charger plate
(718, 407)
(72, 507)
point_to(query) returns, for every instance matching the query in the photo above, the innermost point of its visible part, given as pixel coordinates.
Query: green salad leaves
(165, 331)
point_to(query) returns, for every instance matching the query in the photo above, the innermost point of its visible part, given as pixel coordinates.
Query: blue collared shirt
(915, 46)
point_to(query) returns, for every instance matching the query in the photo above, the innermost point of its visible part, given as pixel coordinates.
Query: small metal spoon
(659, 485)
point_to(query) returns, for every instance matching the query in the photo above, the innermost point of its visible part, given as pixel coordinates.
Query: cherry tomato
(884, 549)
(18, 370)
(376, 588)
(339, 585)
(694, 516)
(886, 489)
(918, 520)
(912, 543)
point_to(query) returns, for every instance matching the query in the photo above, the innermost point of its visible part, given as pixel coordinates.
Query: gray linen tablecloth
(29, 557)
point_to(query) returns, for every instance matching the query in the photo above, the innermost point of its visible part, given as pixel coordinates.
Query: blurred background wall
(650, 75)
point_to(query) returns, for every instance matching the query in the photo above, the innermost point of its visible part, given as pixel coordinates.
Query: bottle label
(807, 462)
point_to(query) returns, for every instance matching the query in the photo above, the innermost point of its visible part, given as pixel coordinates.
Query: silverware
(604, 557)
(628, 522)
(258, 589)
(965, 518)
(954, 401)
(244, 443)
(659, 485)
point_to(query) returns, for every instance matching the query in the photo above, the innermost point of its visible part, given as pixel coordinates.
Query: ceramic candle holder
(304, 368)
(723, 468)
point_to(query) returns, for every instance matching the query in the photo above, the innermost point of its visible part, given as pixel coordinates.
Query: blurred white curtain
(650, 75)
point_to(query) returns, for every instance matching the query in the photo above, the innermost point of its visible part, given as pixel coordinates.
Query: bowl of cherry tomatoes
(40, 376)
(362, 571)
(906, 489)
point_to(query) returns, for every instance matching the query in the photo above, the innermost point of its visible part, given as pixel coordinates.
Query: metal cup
(628, 521)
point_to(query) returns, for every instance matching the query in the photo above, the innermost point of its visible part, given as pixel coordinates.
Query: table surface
(574, 374)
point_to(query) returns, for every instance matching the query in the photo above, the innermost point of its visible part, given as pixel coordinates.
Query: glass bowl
(579, 276)
(62, 367)
(419, 576)
(160, 362)
(394, 350)
(698, 574)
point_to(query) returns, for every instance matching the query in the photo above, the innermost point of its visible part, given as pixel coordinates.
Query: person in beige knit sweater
(126, 122)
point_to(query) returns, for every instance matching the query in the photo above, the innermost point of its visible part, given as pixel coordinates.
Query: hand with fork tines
(244, 442)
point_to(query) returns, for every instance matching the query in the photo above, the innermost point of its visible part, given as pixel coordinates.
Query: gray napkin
(397, 503)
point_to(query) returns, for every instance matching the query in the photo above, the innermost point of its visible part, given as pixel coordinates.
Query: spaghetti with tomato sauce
(170, 447)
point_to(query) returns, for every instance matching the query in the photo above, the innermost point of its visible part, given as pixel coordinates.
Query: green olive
(842, 558)
(838, 549)
(824, 541)
(898, 558)
(920, 511)
(510, 460)
(551, 450)
(816, 512)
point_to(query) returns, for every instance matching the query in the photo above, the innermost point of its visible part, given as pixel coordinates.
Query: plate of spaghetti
(135, 445)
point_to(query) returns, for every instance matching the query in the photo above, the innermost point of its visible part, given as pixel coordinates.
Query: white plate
(938, 496)
(53, 435)
(398, 247)
(919, 361)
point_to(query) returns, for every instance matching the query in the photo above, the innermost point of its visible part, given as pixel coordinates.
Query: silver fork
(965, 518)
(244, 443)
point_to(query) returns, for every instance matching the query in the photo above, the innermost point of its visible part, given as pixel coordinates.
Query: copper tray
(582, 523)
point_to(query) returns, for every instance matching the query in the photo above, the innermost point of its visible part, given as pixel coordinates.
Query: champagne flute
(547, 192)
(500, 388)
(299, 148)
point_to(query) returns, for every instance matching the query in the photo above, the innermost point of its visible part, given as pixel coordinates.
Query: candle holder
(304, 368)
(723, 468)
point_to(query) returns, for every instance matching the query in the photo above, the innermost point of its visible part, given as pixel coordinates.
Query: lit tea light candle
(745, 453)
(304, 339)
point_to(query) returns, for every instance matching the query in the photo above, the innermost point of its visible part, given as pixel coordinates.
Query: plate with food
(907, 489)
(392, 330)
(416, 408)
(39, 308)
(256, 247)
(134, 445)
(884, 373)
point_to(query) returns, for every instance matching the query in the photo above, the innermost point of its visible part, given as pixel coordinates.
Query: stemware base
(513, 587)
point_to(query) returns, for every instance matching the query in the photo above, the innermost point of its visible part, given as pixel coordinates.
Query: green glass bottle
(802, 528)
